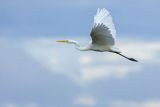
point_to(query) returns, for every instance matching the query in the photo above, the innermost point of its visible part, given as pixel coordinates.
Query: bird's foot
(132, 59)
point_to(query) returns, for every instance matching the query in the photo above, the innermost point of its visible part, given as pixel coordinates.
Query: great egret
(103, 35)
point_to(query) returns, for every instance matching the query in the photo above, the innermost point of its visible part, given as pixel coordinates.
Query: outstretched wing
(103, 31)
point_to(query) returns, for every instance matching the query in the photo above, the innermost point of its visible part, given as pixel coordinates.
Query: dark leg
(131, 59)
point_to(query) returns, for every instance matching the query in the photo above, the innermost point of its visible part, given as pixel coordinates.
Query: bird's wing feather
(103, 31)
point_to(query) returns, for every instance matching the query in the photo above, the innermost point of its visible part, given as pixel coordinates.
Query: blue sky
(37, 72)
(54, 18)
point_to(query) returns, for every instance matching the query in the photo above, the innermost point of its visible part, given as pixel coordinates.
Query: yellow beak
(63, 41)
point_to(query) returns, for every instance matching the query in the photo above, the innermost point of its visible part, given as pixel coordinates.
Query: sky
(35, 71)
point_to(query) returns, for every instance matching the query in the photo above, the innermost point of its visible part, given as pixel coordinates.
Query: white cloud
(85, 67)
(85, 101)
(149, 103)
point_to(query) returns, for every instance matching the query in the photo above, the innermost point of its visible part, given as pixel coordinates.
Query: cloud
(85, 101)
(93, 72)
(150, 103)
(82, 68)
(87, 67)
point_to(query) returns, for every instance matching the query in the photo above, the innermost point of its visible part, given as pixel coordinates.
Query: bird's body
(103, 35)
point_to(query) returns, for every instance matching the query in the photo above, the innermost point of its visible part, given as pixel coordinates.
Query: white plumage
(103, 32)
(104, 17)
(103, 35)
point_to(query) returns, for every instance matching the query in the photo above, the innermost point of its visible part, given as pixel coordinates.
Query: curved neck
(77, 46)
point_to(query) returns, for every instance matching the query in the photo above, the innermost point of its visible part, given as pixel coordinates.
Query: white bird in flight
(103, 35)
